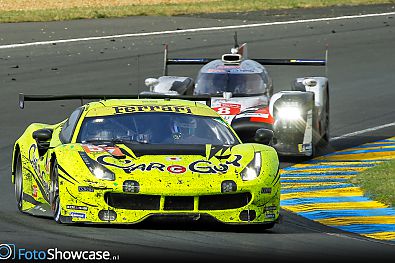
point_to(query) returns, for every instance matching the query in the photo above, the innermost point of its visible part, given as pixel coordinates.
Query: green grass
(40, 13)
(378, 182)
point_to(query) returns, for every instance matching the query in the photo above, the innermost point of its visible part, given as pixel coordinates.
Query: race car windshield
(237, 83)
(156, 128)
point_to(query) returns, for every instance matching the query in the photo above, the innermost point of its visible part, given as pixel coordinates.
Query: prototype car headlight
(253, 169)
(289, 112)
(98, 170)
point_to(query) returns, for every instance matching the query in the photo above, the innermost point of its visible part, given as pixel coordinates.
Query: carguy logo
(200, 166)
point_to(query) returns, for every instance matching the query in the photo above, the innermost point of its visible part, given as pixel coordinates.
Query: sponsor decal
(33, 158)
(77, 207)
(85, 189)
(139, 108)
(212, 70)
(77, 215)
(262, 115)
(270, 208)
(270, 215)
(228, 109)
(228, 67)
(266, 190)
(200, 166)
(89, 148)
(253, 115)
(35, 191)
(176, 169)
(48, 165)
(113, 150)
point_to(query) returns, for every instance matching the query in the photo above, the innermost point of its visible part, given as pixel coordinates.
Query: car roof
(128, 106)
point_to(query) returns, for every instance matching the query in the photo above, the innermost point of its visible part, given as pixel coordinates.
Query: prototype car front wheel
(326, 135)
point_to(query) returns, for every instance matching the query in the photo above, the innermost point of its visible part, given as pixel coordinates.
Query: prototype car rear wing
(23, 98)
(263, 61)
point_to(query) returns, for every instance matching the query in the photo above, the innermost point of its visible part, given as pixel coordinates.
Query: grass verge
(45, 10)
(378, 182)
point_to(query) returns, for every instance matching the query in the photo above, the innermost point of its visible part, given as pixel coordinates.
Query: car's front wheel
(268, 225)
(54, 197)
(325, 136)
(18, 180)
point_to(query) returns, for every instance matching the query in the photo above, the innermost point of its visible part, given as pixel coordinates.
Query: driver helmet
(218, 82)
(144, 132)
(239, 83)
(184, 125)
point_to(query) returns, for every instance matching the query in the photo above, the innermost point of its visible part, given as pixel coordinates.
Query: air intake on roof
(231, 58)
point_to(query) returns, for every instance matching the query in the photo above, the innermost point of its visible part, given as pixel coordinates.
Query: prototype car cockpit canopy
(247, 77)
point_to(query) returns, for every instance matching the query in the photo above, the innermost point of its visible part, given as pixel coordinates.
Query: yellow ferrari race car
(125, 160)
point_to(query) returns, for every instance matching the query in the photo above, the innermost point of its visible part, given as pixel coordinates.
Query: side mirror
(263, 136)
(42, 137)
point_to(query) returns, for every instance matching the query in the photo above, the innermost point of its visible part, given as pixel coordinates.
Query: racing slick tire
(256, 228)
(18, 182)
(326, 136)
(268, 226)
(54, 193)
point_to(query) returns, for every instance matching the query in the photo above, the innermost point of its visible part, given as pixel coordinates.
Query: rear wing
(263, 61)
(181, 61)
(23, 98)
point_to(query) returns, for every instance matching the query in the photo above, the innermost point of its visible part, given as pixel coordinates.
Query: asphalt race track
(361, 73)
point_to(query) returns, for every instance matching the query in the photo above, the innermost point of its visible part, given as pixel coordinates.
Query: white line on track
(363, 131)
(192, 30)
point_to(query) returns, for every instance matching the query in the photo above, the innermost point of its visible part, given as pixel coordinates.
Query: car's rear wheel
(18, 180)
(54, 193)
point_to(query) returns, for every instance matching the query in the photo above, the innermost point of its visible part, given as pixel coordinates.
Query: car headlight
(103, 173)
(253, 169)
(98, 170)
(289, 112)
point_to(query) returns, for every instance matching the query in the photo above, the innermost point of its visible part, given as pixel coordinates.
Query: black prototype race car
(241, 91)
